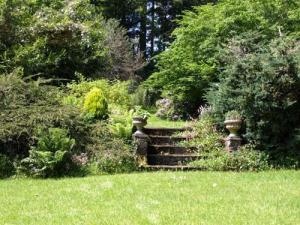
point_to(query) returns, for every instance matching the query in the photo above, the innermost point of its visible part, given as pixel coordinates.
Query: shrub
(116, 163)
(51, 157)
(111, 154)
(208, 141)
(203, 135)
(245, 159)
(193, 60)
(233, 115)
(144, 97)
(95, 105)
(165, 108)
(6, 166)
(115, 92)
(118, 94)
(121, 125)
(57, 40)
(26, 105)
(262, 82)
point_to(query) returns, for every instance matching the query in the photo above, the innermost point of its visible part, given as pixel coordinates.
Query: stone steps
(164, 151)
(170, 167)
(163, 131)
(172, 140)
(170, 149)
(172, 159)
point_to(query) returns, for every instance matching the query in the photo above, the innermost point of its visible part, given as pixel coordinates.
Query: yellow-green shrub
(95, 104)
(116, 92)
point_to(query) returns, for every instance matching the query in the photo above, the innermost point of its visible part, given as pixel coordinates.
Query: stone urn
(233, 125)
(139, 123)
(233, 141)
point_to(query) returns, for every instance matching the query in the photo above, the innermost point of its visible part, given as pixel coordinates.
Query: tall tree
(149, 22)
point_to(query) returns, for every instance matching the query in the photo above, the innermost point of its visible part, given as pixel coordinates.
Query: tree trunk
(143, 31)
(152, 33)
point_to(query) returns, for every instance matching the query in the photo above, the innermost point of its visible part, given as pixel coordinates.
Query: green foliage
(121, 125)
(233, 115)
(193, 60)
(116, 163)
(115, 92)
(144, 97)
(17, 90)
(245, 159)
(262, 82)
(111, 154)
(58, 39)
(140, 112)
(51, 157)
(95, 105)
(203, 135)
(166, 109)
(26, 105)
(41, 105)
(119, 94)
(213, 156)
(53, 140)
(6, 166)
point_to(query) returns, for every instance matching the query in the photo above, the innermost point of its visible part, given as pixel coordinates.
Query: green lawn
(155, 198)
(154, 121)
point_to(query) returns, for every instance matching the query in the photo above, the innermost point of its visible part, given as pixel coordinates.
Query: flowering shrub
(166, 109)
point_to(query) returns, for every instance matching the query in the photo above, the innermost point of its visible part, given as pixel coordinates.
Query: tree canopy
(193, 60)
(149, 22)
(58, 40)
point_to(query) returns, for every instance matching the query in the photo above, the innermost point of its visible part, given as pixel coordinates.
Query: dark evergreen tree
(149, 22)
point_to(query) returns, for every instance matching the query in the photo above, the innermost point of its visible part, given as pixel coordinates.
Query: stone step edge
(168, 137)
(173, 146)
(170, 167)
(173, 155)
(168, 128)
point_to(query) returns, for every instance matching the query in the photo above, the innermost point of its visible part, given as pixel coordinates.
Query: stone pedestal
(141, 141)
(232, 143)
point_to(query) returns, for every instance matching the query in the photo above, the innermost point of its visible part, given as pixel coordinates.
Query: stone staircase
(163, 151)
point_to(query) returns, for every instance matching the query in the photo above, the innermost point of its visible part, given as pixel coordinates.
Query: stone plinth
(232, 143)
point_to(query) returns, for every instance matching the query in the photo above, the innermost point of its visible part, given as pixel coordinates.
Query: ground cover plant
(173, 198)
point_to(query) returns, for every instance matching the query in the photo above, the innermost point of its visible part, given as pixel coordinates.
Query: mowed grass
(154, 121)
(155, 198)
